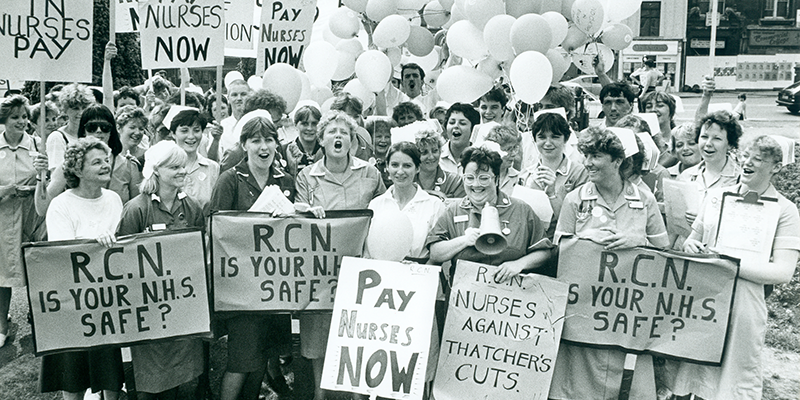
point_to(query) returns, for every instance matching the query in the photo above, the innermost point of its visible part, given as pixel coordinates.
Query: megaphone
(491, 240)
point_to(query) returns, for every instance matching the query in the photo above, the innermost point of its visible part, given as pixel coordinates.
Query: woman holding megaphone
(611, 211)
(487, 226)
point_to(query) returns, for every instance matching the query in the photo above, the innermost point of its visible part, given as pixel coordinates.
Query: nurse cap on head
(628, 139)
(157, 154)
(173, 112)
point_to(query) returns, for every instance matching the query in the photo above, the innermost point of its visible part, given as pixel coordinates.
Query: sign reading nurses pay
(379, 342)
(145, 287)
(182, 33)
(46, 40)
(285, 32)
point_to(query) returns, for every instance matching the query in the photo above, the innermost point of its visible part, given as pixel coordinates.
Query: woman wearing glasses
(98, 121)
(454, 235)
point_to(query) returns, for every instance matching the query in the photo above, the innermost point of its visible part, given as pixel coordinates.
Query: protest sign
(242, 21)
(285, 32)
(282, 264)
(47, 40)
(182, 33)
(645, 300)
(127, 16)
(379, 342)
(500, 340)
(145, 287)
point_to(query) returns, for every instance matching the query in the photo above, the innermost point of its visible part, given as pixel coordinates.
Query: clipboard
(746, 226)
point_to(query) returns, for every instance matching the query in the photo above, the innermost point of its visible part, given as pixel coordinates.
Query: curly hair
(375, 124)
(343, 100)
(75, 155)
(406, 107)
(336, 116)
(127, 92)
(504, 135)
(9, 104)
(209, 108)
(407, 148)
(486, 159)
(429, 138)
(596, 140)
(129, 113)
(75, 95)
(726, 121)
(263, 99)
(99, 111)
(617, 89)
(767, 147)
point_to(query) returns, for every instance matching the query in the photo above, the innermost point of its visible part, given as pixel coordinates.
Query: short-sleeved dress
(569, 175)
(588, 373)
(164, 365)
(252, 339)
(201, 177)
(740, 375)
(73, 217)
(318, 186)
(17, 213)
(446, 185)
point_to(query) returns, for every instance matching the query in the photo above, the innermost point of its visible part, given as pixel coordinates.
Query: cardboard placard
(127, 16)
(285, 31)
(379, 342)
(45, 40)
(182, 33)
(643, 300)
(242, 27)
(146, 287)
(500, 340)
(282, 264)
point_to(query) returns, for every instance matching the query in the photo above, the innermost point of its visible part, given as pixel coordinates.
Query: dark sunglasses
(105, 127)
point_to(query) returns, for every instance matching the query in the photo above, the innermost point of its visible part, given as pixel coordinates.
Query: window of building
(650, 21)
(776, 8)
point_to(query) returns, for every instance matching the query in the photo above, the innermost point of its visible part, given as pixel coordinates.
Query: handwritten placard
(182, 33)
(646, 300)
(285, 32)
(282, 264)
(380, 337)
(500, 340)
(47, 40)
(146, 287)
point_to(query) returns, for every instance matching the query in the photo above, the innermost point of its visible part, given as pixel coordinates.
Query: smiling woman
(201, 173)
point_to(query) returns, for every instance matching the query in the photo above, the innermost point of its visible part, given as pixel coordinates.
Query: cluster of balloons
(530, 42)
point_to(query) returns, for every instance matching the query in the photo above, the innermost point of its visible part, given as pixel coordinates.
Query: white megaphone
(491, 240)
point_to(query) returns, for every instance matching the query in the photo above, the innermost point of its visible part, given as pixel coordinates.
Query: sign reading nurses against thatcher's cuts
(380, 336)
(145, 287)
(500, 340)
(46, 40)
(182, 33)
(282, 264)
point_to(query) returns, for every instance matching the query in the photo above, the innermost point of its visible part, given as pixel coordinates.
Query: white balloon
(479, 12)
(390, 236)
(357, 89)
(392, 31)
(320, 60)
(373, 69)
(583, 57)
(531, 74)
(394, 54)
(491, 67)
(588, 15)
(621, 9)
(447, 4)
(254, 82)
(462, 84)
(410, 5)
(344, 23)
(497, 36)
(232, 76)
(427, 62)
(377, 10)
(321, 94)
(465, 40)
(560, 61)
(352, 46)
(356, 5)
(455, 15)
(285, 81)
(345, 65)
(558, 27)
(305, 94)
(435, 14)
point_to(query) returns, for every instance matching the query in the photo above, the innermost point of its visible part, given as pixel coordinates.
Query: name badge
(636, 204)
(159, 227)
(460, 218)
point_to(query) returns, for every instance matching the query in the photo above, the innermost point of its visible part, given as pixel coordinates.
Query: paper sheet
(538, 201)
(272, 200)
(680, 197)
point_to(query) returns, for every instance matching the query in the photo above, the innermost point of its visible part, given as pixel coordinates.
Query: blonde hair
(170, 155)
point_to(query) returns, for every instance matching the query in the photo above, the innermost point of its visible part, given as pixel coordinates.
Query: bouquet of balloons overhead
(531, 43)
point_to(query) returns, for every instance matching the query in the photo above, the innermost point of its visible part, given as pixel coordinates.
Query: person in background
(214, 114)
(305, 149)
(603, 210)
(684, 149)
(126, 96)
(50, 119)
(351, 105)
(740, 111)
(238, 92)
(73, 99)
(617, 99)
(254, 342)
(339, 181)
(740, 374)
(507, 140)
(18, 176)
(663, 105)
(160, 368)
(131, 125)
(652, 173)
(492, 107)
(261, 99)
(431, 177)
(557, 96)
(406, 113)
(555, 174)
(461, 118)
(86, 210)
(201, 173)
(717, 135)
(648, 78)
(381, 131)
(439, 113)
(412, 80)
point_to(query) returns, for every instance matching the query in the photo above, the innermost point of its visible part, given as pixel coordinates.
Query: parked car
(589, 83)
(789, 97)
